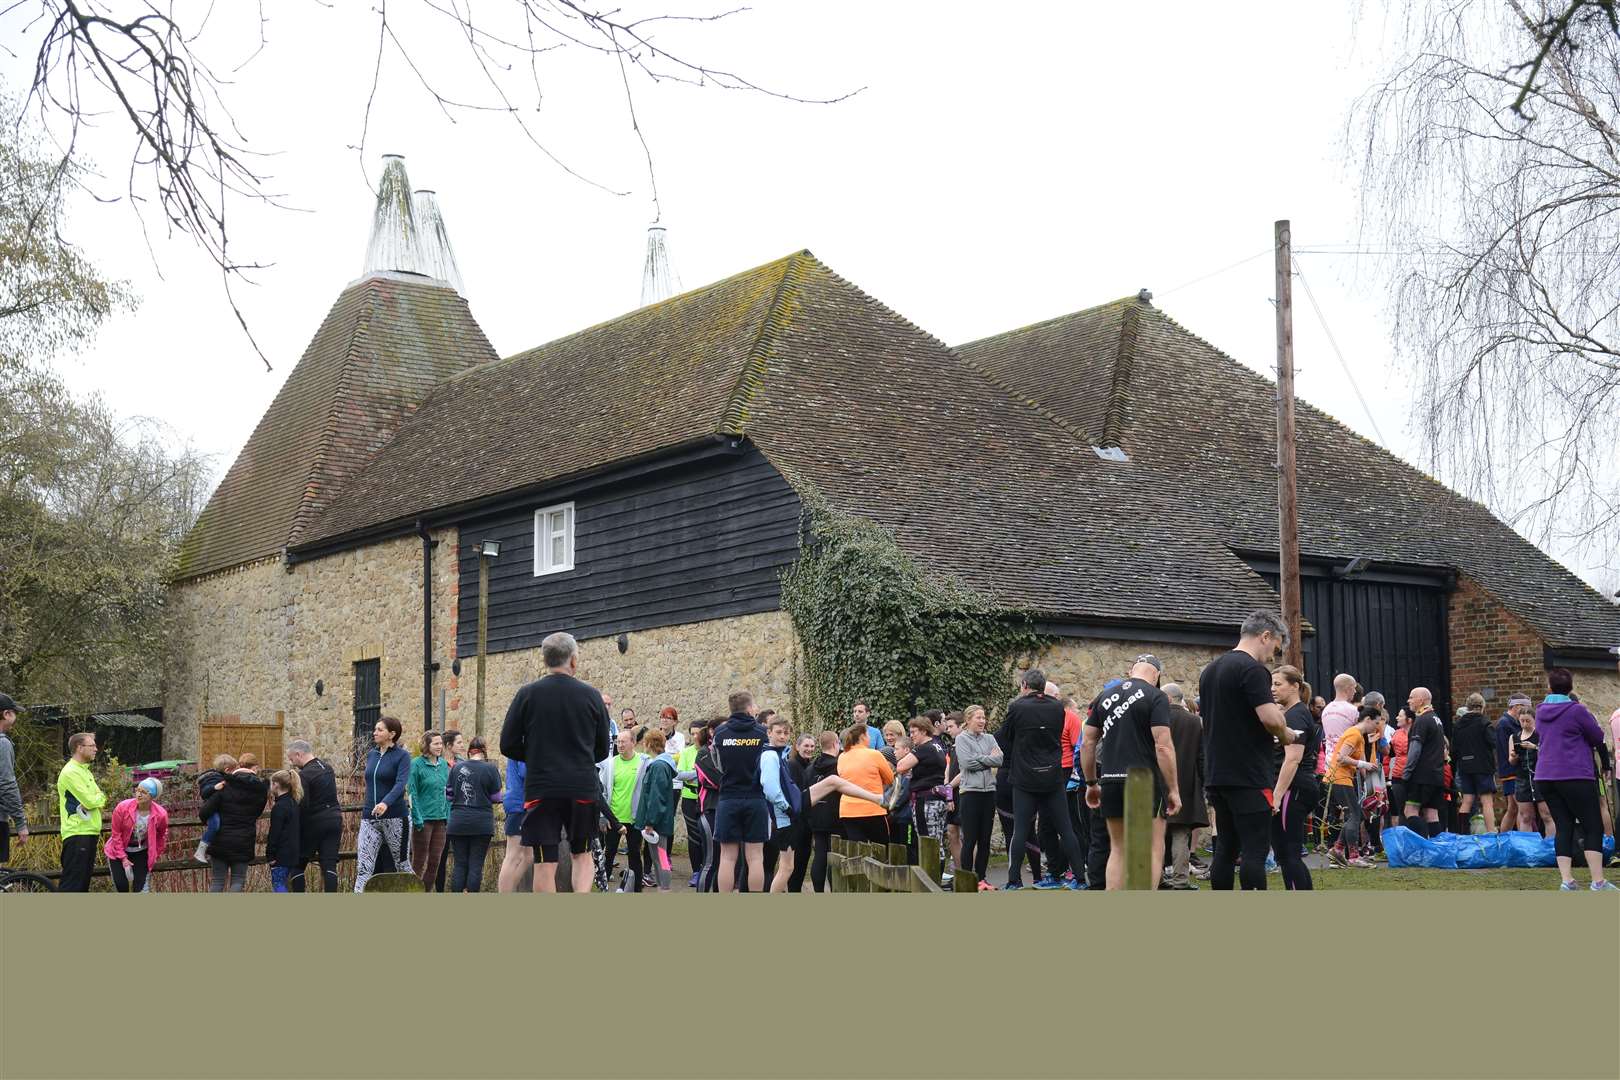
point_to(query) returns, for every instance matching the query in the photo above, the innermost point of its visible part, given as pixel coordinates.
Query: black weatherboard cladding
(706, 541)
(1391, 636)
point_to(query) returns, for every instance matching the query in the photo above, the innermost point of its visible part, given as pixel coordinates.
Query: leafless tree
(152, 66)
(1491, 165)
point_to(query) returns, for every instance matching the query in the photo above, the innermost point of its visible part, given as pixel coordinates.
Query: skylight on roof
(1110, 453)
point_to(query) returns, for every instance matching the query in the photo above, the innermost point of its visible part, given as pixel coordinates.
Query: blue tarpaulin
(1448, 851)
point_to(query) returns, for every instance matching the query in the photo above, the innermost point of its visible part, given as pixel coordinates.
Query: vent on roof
(658, 280)
(1110, 453)
(393, 246)
(437, 258)
(1145, 296)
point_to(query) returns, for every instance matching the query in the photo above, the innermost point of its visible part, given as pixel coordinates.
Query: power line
(1217, 273)
(1311, 296)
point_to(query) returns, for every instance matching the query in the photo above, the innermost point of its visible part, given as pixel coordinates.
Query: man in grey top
(1187, 733)
(11, 803)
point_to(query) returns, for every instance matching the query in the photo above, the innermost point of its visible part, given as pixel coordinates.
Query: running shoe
(1186, 887)
(946, 878)
(1336, 857)
(1201, 873)
(1048, 883)
(1359, 863)
(1271, 863)
(1012, 886)
(985, 886)
(692, 882)
(1080, 886)
(1569, 886)
(1604, 886)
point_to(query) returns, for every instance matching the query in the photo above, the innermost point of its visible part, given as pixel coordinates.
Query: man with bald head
(1425, 773)
(1130, 729)
(1338, 717)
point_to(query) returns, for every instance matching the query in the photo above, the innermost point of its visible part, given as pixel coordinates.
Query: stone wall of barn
(1082, 665)
(251, 643)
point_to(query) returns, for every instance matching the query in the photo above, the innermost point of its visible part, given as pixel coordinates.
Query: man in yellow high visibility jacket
(79, 800)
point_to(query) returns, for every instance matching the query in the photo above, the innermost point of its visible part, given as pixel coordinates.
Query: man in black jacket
(1031, 739)
(1473, 763)
(320, 825)
(558, 726)
(742, 820)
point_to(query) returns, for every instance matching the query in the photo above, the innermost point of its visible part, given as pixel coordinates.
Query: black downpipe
(427, 625)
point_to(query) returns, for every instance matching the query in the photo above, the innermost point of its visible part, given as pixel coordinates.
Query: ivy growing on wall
(874, 626)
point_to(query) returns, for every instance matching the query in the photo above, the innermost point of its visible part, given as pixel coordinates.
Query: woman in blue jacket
(517, 869)
(382, 820)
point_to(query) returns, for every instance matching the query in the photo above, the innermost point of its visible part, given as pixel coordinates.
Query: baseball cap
(1149, 658)
(8, 705)
(1518, 699)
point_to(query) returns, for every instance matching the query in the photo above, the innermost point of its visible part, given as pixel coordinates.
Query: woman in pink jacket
(140, 829)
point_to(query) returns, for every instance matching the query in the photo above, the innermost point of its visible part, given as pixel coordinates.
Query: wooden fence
(264, 741)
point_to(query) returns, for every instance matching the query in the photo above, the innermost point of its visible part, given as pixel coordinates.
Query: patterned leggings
(380, 837)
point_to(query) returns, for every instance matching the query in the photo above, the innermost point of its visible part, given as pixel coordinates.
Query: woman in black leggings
(708, 777)
(1295, 792)
(1567, 778)
(979, 756)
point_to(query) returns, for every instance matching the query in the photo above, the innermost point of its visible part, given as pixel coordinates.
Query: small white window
(554, 539)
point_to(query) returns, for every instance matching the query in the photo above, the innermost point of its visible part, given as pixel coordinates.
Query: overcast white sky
(1003, 165)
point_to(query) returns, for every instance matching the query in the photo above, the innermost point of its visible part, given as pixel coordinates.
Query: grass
(1384, 877)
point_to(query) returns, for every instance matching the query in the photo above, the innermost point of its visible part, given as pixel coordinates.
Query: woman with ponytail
(1294, 795)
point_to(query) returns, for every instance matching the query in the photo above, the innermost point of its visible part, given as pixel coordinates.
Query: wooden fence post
(929, 857)
(1139, 871)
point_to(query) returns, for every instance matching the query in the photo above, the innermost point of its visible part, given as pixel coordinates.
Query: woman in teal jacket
(430, 807)
(655, 810)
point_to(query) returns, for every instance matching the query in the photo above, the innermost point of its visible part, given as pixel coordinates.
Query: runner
(475, 788)
(1345, 766)
(654, 817)
(139, 833)
(1130, 730)
(1296, 774)
(1507, 779)
(430, 779)
(282, 846)
(925, 765)
(558, 726)
(382, 820)
(742, 818)
(823, 818)
(863, 716)
(1241, 720)
(619, 778)
(1338, 716)
(517, 865)
(1567, 778)
(697, 850)
(867, 768)
(800, 766)
(320, 824)
(1473, 752)
(11, 802)
(980, 757)
(78, 807)
(1031, 739)
(1425, 773)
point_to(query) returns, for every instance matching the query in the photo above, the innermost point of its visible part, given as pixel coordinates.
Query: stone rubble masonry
(252, 642)
(1080, 666)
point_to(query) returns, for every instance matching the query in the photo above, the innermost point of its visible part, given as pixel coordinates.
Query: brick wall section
(1491, 647)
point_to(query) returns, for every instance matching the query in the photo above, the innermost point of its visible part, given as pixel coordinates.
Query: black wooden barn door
(1388, 630)
(367, 704)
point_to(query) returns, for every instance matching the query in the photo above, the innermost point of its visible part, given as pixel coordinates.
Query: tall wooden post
(483, 637)
(1287, 487)
(1139, 868)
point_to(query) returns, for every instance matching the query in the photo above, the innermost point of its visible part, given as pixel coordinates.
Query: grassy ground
(1384, 877)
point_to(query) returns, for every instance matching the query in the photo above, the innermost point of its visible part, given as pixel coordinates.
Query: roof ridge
(734, 417)
(303, 516)
(1114, 411)
(1135, 299)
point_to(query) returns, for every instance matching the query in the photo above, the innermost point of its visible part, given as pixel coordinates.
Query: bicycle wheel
(21, 881)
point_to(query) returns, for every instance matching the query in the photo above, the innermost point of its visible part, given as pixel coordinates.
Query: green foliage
(872, 625)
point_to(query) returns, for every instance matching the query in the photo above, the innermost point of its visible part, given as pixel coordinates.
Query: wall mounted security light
(491, 548)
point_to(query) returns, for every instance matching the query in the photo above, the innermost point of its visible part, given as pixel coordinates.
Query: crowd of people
(1251, 761)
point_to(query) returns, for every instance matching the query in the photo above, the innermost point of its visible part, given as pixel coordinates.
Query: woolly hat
(152, 786)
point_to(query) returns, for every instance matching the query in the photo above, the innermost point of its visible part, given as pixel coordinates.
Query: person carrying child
(211, 780)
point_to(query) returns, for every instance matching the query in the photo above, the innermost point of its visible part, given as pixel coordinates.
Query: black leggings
(1239, 829)
(866, 830)
(320, 839)
(801, 857)
(632, 851)
(1288, 836)
(697, 846)
(976, 816)
(1050, 805)
(1572, 801)
(711, 868)
(468, 850)
(821, 847)
(138, 867)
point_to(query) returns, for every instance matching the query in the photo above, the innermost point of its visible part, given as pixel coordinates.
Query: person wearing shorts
(1130, 729)
(742, 819)
(558, 726)
(1425, 766)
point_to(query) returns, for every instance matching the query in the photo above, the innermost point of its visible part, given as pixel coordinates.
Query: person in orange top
(871, 771)
(1348, 760)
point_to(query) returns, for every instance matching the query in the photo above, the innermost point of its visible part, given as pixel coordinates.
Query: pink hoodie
(123, 827)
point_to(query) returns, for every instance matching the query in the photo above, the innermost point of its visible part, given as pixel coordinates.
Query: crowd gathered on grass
(1252, 775)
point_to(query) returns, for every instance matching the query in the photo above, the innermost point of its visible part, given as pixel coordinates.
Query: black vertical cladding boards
(705, 541)
(1391, 637)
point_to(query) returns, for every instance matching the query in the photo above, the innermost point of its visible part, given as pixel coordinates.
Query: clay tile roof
(387, 340)
(844, 397)
(1182, 408)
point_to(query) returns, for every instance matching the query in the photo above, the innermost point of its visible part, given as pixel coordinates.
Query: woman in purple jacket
(1565, 776)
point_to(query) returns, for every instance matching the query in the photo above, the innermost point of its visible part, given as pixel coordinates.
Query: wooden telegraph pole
(483, 635)
(1287, 488)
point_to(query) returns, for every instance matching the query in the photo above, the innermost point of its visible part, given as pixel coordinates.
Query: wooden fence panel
(264, 741)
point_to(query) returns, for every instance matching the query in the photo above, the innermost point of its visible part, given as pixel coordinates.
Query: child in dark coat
(281, 847)
(208, 783)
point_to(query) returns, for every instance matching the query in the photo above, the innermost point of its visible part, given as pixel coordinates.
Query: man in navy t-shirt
(742, 820)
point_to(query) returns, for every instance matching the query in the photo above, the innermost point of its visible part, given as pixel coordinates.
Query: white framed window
(554, 539)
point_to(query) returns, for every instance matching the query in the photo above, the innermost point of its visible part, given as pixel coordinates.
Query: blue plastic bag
(1406, 848)
(1481, 852)
(1527, 849)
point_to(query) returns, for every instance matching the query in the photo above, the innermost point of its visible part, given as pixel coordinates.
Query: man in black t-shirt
(925, 763)
(558, 726)
(1130, 729)
(1425, 773)
(1242, 725)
